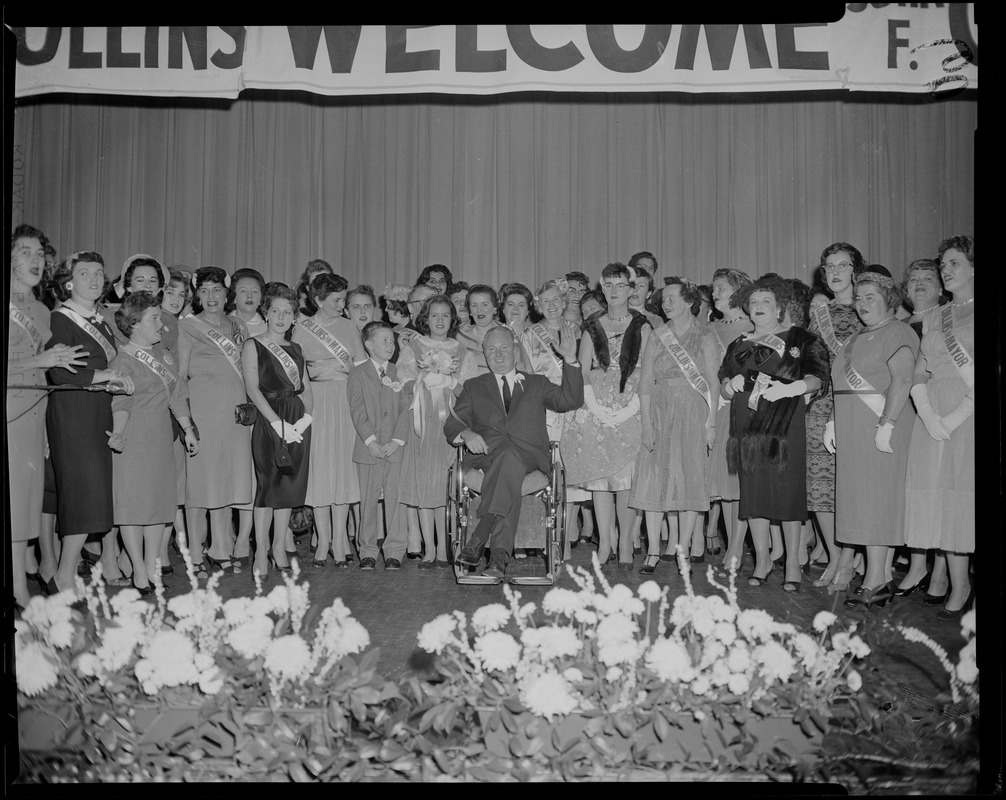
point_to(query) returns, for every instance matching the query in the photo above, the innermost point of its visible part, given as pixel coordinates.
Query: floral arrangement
(636, 666)
(439, 362)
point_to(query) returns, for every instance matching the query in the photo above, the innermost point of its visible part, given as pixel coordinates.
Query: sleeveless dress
(142, 493)
(940, 482)
(720, 482)
(821, 463)
(870, 496)
(220, 474)
(280, 487)
(76, 422)
(673, 476)
(599, 458)
(26, 420)
(331, 475)
(444, 366)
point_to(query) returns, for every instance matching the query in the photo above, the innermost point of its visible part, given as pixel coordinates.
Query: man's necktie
(506, 395)
(381, 372)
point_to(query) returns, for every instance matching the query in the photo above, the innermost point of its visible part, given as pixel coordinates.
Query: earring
(69, 286)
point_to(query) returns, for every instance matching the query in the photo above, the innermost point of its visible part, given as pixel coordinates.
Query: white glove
(286, 432)
(964, 410)
(303, 424)
(737, 383)
(934, 425)
(603, 413)
(829, 436)
(883, 437)
(622, 414)
(776, 390)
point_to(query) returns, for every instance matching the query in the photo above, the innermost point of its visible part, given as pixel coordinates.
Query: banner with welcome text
(929, 48)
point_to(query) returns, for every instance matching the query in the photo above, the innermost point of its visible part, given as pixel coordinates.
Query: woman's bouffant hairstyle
(689, 293)
(459, 286)
(64, 273)
(211, 275)
(276, 290)
(594, 294)
(364, 289)
(964, 243)
(642, 272)
(551, 283)
(778, 286)
(427, 273)
(482, 288)
(580, 277)
(142, 261)
(736, 278)
(508, 289)
(881, 277)
(616, 269)
(635, 258)
(29, 232)
(130, 313)
(858, 265)
(322, 286)
(422, 322)
(248, 272)
(922, 265)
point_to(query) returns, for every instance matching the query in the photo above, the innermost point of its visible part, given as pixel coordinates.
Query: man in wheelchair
(500, 418)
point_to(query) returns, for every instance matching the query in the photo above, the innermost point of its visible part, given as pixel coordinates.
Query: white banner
(897, 48)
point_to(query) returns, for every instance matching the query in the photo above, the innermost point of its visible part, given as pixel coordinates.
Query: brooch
(795, 352)
(167, 360)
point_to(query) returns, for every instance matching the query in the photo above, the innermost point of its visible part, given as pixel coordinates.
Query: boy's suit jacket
(377, 410)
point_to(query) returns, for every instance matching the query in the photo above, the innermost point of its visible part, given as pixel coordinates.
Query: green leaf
(660, 727)
(508, 720)
(536, 745)
(263, 716)
(298, 773)
(367, 694)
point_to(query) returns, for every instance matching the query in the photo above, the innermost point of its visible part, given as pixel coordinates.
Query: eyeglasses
(841, 266)
(576, 292)
(615, 287)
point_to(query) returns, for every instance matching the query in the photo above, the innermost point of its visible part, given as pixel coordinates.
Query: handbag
(245, 414)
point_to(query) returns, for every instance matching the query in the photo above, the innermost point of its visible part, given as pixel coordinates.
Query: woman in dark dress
(275, 379)
(78, 422)
(766, 374)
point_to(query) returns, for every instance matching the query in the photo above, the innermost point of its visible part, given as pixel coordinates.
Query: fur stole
(628, 357)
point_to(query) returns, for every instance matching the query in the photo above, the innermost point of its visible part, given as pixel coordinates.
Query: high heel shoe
(713, 547)
(870, 598)
(922, 583)
(285, 570)
(840, 583)
(145, 591)
(945, 613)
(650, 564)
(936, 599)
(755, 582)
(224, 565)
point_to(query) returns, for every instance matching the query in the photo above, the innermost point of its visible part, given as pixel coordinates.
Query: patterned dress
(673, 476)
(821, 463)
(26, 418)
(440, 369)
(940, 483)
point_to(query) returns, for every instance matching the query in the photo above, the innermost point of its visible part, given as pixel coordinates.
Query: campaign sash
(962, 360)
(24, 321)
(285, 360)
(227, 347)
(155, 366)
(90, 330)
(685, 363)
(546, 339)
(769, 340)
(866, 392)
(826, 327)
(333, 345)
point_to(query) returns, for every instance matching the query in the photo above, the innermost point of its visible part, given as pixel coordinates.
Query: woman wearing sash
(870, 433)
(600, 442)
(439, 364)
(765, 375)
(140, 273)
(78, 423)
(678, 369)
(834, 321)
(145, 501)
(331, 343)
(922, 290)
(27, 332)
(724, 487)
(940, 491)
(314, 268)
(483, 303)
(219, 476)
(276, 380)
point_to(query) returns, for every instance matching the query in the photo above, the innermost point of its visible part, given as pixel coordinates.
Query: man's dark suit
(518, 442)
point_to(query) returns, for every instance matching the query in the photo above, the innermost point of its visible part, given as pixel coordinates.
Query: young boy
(379, 404)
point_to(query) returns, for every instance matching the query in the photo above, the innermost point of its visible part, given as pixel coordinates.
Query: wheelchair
(542, 524)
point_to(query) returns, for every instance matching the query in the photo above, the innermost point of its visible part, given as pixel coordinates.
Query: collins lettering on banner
(896, 48)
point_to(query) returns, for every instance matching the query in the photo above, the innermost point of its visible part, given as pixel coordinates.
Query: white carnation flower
(128, 603)
(259, 607)
(117, 646)
(287, 657)
(88, 664)
(61, 634)
(725, 632)
(720, 673)
(279, 599)
(807, 649)
(35, 670)
(548, 695)
(236, 610)
(668, 660)
(619, 600)
(355, 638)
(498, 651)
(755, 624)
(719, 609)
(621, 652)
(585, 616)
(738, 684)
(739, 658)
(562, 601)
(211, 680)
(967, 668)
(435, 635)
(616, 629)
(969, 623)
(573, 675)
(202, 661)
(701, 685)
(613, 674)
(649, 591)
(251, 638)
(776, 662)
(490, 618)
(184, 605)
(858, 647)
(554, 641)
(824, 620)
(855, 680)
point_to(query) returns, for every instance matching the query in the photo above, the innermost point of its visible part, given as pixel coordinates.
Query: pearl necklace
(732, 321)
(618, 319)
(879, 324)
(962, 305)
(922, 311)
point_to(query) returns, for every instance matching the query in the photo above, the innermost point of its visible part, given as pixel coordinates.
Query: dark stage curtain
(514, 187)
